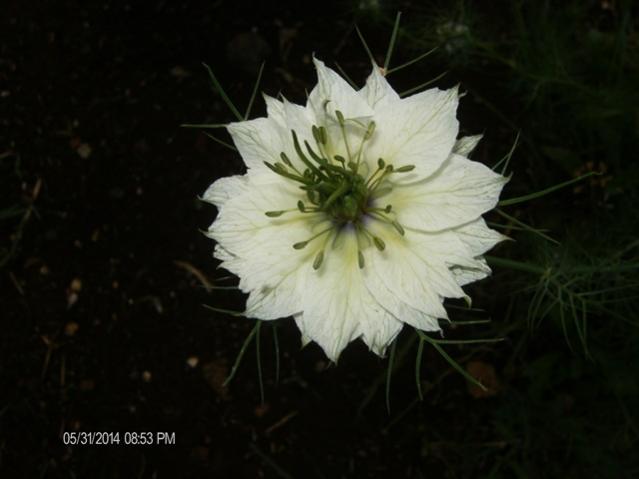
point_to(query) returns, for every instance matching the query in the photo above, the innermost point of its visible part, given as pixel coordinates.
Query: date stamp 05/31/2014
(104, 438)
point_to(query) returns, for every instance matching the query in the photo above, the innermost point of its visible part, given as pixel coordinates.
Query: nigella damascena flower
(359, 212)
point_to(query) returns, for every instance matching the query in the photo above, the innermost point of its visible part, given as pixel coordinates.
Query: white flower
(359, 212)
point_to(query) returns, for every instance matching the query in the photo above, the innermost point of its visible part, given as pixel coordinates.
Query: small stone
(84, 150)
(192, 361)
(261, 409)
(71, 328)
(485, 373)
(76, 285)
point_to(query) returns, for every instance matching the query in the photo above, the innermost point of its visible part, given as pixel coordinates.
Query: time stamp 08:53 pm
(83, 438)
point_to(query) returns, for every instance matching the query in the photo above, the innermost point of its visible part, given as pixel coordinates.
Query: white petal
(464, 276)
(300, 119)
(466, 144)
(223, 189)
(337, 306)
(478, 237)
(259, 249)
(458, 193)
(333, 93)
(265, 139)
(419, 130)
(410, 281)
(257, 141)
(377, 92)
(274, 109)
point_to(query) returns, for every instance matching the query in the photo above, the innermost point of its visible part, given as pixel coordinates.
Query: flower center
(334, 186)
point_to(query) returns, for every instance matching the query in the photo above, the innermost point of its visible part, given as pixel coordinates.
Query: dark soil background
(104, 274)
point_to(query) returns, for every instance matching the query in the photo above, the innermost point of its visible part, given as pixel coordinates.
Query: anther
(319, 134)
(316, 134)
(369, 131)
(275, 214)
(314, 155)
(379, 243)
(301, 244)
(285, 159)
(319, 258)
(398, 227)
(323, 135)
(405, 169)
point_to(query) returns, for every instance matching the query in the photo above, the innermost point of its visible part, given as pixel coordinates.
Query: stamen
(319, 134)
(275, 214)
(287, 162)
(360, 259)
(369, 132)
(306, 161)
(319, 258)
(314, 155)
(285, 159)
(394, 223)
(405, 169)
(398, 227)
(323, 135)
(380, 167)
(340, 119)
(377, 241)
(280, 169)
(302, 244)
(378, 181)
(316, 134)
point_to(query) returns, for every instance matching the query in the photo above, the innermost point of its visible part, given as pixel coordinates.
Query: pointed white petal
(478, 237)
(223, 189)
(257, 141)
(466, 144)
(333, 93)
(419, 130)
(259, 248)
(464, 276)
(458, 193)
(274, 109)
(377, 92)
(337, 306)
(410, 281)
